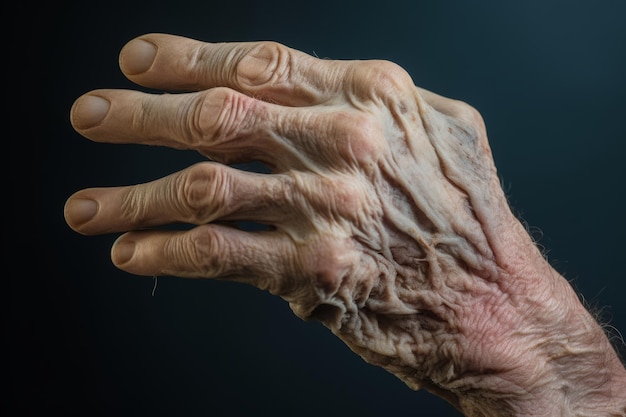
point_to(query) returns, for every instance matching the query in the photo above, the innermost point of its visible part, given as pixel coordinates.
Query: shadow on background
(87, 339)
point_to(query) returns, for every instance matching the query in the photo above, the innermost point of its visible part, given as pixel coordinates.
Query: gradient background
(86, 339)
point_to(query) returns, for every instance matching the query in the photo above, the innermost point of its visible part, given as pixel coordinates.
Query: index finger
(266, 70)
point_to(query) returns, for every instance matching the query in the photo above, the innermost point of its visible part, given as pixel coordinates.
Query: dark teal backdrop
(86, 339)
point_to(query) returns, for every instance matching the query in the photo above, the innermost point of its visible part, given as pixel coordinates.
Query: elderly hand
(386, 219)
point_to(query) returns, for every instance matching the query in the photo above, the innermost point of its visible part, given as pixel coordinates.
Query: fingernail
(79, 211)
(88, 111)
(137, 56)
(122, 252)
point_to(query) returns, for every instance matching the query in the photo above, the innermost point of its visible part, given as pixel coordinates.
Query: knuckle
(381, 78)
(334, 196)
(471, 115)
(332, 264)
(206, 252)
(265, 63)
(461, 112)
(469, 122)
(350, 197)
(221, 114)
(359, 137)
(203, 192)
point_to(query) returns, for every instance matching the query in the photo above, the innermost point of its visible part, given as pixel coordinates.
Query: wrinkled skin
(386, 219)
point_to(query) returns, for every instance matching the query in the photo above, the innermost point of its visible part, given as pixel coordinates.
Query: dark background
(85, 339)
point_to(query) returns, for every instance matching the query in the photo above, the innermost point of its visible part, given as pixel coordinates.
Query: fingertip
(89, 111)
(137, 56)
(122, 251)
(78, 211)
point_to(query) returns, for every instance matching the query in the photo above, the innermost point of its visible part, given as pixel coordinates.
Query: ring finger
(200, 194)
(222, 124)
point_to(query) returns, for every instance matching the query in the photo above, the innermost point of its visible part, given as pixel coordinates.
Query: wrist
(571, 368)
(584, 369)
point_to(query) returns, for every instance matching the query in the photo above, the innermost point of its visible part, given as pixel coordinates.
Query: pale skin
(386, 220)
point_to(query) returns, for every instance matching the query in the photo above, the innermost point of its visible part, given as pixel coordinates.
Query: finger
(222, 124)
(267, 70)
(262, 259)
(200, 194)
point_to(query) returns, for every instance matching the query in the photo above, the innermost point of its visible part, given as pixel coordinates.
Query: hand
(386, 219)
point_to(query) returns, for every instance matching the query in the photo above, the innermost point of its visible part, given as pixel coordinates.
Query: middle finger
(220, 123)
(224, 125)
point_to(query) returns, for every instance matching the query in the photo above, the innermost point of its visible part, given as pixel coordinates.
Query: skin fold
(385, 220)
